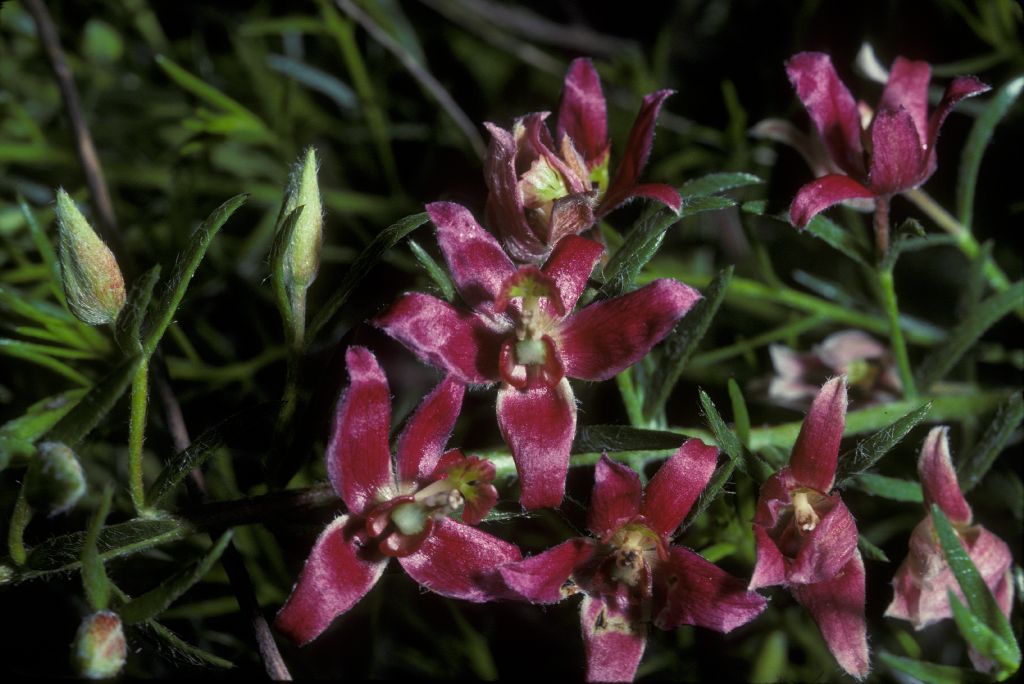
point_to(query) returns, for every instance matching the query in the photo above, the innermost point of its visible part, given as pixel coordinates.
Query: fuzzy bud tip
(92, 279)
(100, 649)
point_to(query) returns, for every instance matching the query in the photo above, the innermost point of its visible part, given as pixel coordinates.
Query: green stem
(21, 516)
(634, 404)
(742, 347)
(137, 435)
(899, 345)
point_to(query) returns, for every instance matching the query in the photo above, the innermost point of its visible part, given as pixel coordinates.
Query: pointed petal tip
(938, 477)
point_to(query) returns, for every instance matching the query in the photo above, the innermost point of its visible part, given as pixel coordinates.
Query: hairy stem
(899, 346)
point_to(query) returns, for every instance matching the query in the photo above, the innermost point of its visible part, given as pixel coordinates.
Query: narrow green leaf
(977, 141)
(682, 342)
(87, 413)
(278, 251)
(772, 660)
(838, 239)
(906, 241)
(929, 673)
(983, 640)
(184, 269)
(154, 602)
(315, 79)
(94, 575)
(868, 452)
(739, 412)
(128, 331)
(434, 270)
(716, 485)
(726, 438)
(600, 438)
(714, 183)
(35, 354)
(975, 283)
(870, 551)
(367, 259)
(41, 416)
(892, 488)
(186, 651)
(21, 516)
(182, 464)
(997, 434)
(961, 338)
(45, 248)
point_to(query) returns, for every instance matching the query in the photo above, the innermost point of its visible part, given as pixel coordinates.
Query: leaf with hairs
(997, 434)
(869, 451)
(87, 413)
(602, 438)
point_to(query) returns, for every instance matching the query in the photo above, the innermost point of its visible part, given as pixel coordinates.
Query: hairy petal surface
(813, 462)
(504, 208)
(613, 643)
(964, 86)
(539, 425)
(938, 478)
(602, 339)
(542, 578)
(333, 580)
(770, 569)
(422, 442)
(675, 487)
(582, 115)
(827, 548)
(461, 562)
(837, 605)
(570, 265)
(634, 159)
(358, 456)
(616, 496)
(820, 194)
(908, 88)
(898, 157)
(700, 593)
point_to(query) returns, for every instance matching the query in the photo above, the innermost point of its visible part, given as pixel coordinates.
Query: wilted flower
(866, 363)
(100, 649)
(630, 573)
(807, 539)
(93, 283)
(405, 513)
(542, 190)
(876, 155)
(522, 331)
(923, 580)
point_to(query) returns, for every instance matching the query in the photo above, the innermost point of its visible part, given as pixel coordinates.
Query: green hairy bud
(92, 279)
(302, 252)
(55, 480)
(100, 649)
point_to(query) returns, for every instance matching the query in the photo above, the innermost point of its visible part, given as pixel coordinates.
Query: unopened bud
(92, 279)
(55, 480)
(99, 650)
(302, 253)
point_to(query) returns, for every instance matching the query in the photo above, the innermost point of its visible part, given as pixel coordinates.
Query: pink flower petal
(422, 441)
(638, 149)
(813, 462)
(582, 114)
(602, 339)
(702, 594)
(613, 642)
(964, 86)
(898, 157)
(358, 455)
(770, 569)
(822, 193)
(616, 497)
(840, 349)
(908, 88)
(659, 192)
(831, 107)
(455, 341)
(504, 208)
(539, 425)
(476, 261)
(675, 487)
(542, 578)
(938, 479)
(461, 562)
(827, 548)
(335, 577)
(837, 605)
(570, 265)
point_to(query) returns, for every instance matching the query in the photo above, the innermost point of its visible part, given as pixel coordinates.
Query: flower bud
(92, 279)
(302, 253)
(99, 650)
(55, 480)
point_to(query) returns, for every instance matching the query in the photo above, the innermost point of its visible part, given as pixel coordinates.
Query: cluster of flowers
(522, 329)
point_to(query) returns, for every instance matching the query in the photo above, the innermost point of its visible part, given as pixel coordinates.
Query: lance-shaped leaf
(929, 673)
(94, 575)
(892, 488)
(612, 438)
(739, 412)
(87, 413)
(839, 239)
(997, 434)
(129, 324)
(868, 452)
(714, 183)
(434, 270)
(186, 651)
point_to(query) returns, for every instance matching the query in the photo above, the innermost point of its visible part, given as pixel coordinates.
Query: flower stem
(899, 345)
(137, 435)
(881, 227)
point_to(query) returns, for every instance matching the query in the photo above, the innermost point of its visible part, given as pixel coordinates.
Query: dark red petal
(774, 498)
(539, 425)
(570, 265)
(938, 478)
(606, 337)
(813, 462)
(461, 562)
(616, 497)
(528, 280)
(771, 566)
(333, 580)
(964, 86)
(613, 642)
(504, 204)
(358, 456)
(677, 484)
(908, 88)
(476, 261)
(702, 594)
(570, 215)
(638, 149)
(422, 442)
(458, 342)
(831, 107)
(897, 153)
(838, 607)
(582, 114)
(542, 578)
(659, 192)
(539, 139)
(822, 193)
(827, 548)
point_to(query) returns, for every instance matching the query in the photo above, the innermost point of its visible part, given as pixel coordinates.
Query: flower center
(530, 357)
(634, 549)
(803, 512)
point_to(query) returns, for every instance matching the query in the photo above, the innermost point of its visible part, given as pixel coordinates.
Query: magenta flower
(403, 514)
(521, 330)
(879, 155)
(807, 539)
(866, 363)
(922, 581)
(630, 573)
(542, 190)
